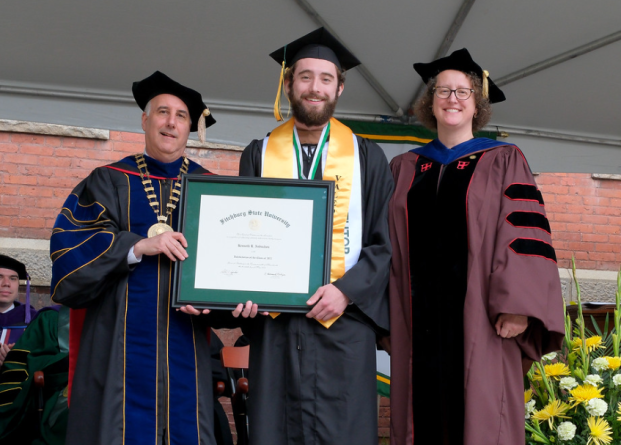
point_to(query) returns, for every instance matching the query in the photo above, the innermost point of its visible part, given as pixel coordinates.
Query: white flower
(597, 407)
(616, 379)
(568, 383)
(600, 364)
(566, 431)
(529, 407)
(551, 356)
(593, 379)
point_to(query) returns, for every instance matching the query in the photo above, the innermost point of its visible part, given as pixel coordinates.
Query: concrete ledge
(197, 144)
(53, 129)
(13, 126)
(595, 285)
(605, 176)
(34, 253)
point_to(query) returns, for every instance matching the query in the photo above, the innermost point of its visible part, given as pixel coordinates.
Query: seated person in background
(14, 316)
(28, 416)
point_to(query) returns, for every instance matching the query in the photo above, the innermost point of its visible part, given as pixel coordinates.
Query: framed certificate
(259, 239)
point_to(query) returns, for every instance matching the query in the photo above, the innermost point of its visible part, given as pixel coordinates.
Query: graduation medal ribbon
(339, 168)
(161, 226)
(316, 157)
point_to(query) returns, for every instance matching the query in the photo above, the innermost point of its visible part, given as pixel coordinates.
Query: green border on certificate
(259, 239)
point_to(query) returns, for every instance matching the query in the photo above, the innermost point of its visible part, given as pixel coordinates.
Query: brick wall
(585, 217)
(383, 421)
(38, 172)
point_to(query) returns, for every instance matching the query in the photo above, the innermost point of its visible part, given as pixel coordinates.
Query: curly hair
(289, 71)
(423, 108)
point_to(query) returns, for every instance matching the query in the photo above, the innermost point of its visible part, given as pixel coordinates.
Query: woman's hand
(384, 343)
(511, 325)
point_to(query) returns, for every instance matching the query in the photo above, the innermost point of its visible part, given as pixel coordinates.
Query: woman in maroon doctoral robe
(474, 284)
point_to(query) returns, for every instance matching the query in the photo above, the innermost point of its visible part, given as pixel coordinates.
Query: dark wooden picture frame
(196, 186)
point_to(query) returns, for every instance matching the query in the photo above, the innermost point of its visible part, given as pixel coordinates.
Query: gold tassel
(485, 84)
(202, 128)
(287, 96)
(277, 113)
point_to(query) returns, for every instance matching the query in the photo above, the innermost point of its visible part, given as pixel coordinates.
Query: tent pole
(504, 132)
(370, 78)
(448, 40)
(563, 57)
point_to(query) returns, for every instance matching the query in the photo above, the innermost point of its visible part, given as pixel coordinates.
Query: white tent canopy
(72, 62)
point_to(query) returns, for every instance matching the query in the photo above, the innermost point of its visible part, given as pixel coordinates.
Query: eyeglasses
(460, 93)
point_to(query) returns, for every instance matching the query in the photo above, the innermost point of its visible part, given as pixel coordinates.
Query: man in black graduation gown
(142, 370)
(314, 376)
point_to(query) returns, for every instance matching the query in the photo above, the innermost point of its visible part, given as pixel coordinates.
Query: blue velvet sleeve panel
(91, 238)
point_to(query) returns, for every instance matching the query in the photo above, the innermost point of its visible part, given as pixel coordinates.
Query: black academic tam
(319, 44)
(159, 83)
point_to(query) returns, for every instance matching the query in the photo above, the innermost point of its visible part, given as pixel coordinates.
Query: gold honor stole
(278, 161)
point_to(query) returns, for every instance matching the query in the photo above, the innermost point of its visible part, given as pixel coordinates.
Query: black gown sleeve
(250, 162)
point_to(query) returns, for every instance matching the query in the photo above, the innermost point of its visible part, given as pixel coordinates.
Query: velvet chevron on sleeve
(142, 373)
(471, 241)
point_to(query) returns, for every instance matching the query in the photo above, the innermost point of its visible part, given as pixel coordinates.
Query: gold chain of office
(175, 192)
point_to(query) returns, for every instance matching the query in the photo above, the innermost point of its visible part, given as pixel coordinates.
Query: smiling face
(166, 128)
(313, 91)
(454, 115)
(9, 285)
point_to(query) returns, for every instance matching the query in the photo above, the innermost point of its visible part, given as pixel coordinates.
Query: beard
(312, 117)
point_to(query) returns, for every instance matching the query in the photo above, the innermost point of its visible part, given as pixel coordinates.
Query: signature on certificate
(275, 275)
(228, 272)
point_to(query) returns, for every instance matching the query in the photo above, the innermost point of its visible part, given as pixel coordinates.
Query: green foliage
(593, 360)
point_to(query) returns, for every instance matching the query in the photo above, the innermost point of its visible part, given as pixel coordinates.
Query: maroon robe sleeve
(524, 278)
(401, 427)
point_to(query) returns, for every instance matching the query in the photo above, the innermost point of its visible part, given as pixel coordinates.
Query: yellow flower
(600, 431)
(528, 395)
(555, 371)
(584, 393)
(613, 362)
(619, 411)
(592, 343)
(552, 410)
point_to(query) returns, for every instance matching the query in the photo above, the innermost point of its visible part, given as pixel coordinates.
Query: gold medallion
(175, 192)
(157, 229)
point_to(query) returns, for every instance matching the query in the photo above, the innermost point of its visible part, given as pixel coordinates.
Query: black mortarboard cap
(159, 83)
(6, 262)
(319, 44)
(461, 60)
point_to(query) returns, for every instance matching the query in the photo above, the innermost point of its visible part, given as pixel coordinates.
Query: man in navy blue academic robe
(142, 371)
